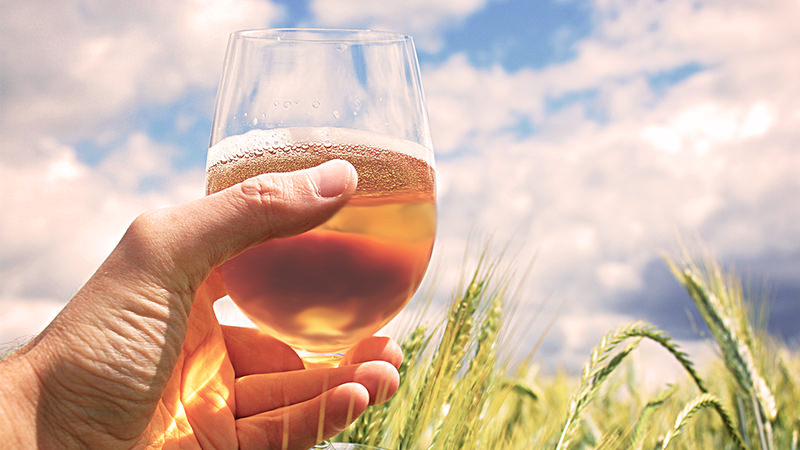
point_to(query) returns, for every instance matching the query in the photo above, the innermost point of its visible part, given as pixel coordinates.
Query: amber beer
(328, 288)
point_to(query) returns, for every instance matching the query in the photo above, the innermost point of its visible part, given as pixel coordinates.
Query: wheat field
(457, 392)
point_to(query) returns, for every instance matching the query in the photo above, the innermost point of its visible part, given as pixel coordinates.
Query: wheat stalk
(736, 353)
(721, 307)
(702, 401)
(647, 412)
(597, 370)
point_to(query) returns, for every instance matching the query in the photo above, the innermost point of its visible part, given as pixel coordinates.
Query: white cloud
(605, 182)
(466, 103)
(617, 275)
(138, 160)
(63, 216)
(424, 20)
(705, 126)
(69, 67)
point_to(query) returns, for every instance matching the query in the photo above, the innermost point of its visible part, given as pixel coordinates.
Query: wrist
(40, 411)
(19, 394)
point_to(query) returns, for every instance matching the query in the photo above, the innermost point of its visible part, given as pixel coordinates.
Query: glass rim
(322, 35)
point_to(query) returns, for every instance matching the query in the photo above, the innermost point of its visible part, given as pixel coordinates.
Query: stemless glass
(290, 99)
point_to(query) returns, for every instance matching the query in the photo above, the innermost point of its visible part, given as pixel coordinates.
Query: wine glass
(290, 99)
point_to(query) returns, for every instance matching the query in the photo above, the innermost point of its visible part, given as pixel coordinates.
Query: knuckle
(261, 196)
(149, 243)
(271, 196)
(146, 228)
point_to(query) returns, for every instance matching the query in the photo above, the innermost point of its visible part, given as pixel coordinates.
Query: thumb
(184, 243)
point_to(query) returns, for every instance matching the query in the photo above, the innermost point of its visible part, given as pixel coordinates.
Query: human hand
(138, 359)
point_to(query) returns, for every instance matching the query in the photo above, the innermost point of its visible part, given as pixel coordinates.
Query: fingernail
(332, 177)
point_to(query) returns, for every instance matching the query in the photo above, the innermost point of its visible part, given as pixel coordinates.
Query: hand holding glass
(292, 99)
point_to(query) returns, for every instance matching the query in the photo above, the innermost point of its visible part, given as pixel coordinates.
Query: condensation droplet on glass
(287, 104)
(305, 146)
(315, 104)
(340, 48)
(336, 114)
(327, 144)
(255, 121)
(259, 151)
(275, 103)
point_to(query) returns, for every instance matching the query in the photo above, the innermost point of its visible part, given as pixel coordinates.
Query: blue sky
(588, 133)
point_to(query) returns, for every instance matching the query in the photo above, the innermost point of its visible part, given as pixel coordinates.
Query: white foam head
(279, 138)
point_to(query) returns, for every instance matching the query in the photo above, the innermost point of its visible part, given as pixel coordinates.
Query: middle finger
(265, 392)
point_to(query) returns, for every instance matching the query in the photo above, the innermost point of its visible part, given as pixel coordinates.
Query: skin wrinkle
(273, 201)
(92, 391)
(261, 192)
(152, 331)
(95, 365)
(105, 419)
(311, 182)
(71, 423)
(149, 321)
(131, 358)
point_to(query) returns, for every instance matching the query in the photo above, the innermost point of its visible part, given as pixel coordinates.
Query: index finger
(252, 351)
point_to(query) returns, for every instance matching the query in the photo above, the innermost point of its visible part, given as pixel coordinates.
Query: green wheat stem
(721, 306)
(702, 401)
(596, 370)
(647, 412)
(448, 358)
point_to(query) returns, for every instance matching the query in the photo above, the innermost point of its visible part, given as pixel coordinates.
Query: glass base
(321, 360)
